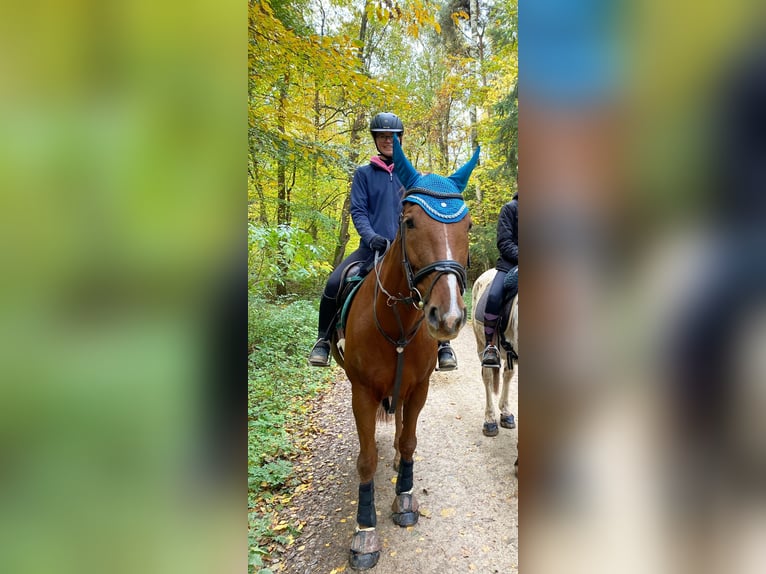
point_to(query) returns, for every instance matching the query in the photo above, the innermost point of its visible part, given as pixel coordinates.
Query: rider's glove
(378, 243)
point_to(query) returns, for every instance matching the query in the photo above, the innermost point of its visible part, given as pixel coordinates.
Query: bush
(280, 386)
(284, 255)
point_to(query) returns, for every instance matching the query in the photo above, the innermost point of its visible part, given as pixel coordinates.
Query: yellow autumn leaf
(447, 512)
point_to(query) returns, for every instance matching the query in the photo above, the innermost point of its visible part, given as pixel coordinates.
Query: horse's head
(434, 238)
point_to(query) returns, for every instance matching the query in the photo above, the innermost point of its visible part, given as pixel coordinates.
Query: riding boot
(446, 356)
(490, 357)
(320, 353)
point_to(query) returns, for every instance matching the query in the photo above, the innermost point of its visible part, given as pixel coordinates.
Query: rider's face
(385, 141)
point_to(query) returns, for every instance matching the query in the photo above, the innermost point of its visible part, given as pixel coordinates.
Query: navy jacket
(508, 235)
(376, 202)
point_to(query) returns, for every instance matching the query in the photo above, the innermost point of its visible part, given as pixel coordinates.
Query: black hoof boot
(359, 561)
(405, 510)
(490, 429)
(365, 550)
(507, 421)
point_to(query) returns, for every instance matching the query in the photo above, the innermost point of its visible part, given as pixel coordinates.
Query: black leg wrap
(404, 482)
(365, 511)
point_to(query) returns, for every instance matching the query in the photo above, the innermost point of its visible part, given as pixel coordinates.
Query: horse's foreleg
(506, 416)
(397, 434)
(491, 381)
(405, 506)
(365, 545)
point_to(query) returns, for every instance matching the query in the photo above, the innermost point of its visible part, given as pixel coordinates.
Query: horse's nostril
(433, 315)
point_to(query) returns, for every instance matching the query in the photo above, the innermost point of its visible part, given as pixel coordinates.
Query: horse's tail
(382, 415)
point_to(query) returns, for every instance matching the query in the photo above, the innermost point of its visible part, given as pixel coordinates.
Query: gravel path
(464, 481)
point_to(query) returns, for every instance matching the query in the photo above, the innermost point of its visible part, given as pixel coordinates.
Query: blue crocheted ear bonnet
(440, 197)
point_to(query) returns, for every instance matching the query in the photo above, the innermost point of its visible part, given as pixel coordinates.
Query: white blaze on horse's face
(444, 309)
(455, 313)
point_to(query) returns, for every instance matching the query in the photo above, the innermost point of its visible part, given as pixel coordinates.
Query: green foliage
(483, 248)
(507, 124)
(280, 386)
(284, 255)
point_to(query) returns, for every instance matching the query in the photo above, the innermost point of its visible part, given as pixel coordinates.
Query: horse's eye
(409, 223)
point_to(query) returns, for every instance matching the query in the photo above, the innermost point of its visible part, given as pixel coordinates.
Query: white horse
(491, 377)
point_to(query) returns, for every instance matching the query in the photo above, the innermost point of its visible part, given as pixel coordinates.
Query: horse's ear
(402, 166)
(460, 177)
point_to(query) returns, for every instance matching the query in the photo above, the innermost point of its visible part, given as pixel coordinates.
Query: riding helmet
(386, 122)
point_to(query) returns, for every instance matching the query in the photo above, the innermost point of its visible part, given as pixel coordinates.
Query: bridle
(441, 267)
(414, 297)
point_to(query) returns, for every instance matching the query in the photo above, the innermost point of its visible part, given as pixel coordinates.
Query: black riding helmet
(386, 122)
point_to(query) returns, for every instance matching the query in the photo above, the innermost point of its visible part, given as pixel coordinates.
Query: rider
(376, 202)
(507, 266)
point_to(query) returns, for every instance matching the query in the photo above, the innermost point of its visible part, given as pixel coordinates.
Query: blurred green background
(123, 178)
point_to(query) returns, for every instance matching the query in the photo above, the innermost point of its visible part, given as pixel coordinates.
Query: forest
(319, 70)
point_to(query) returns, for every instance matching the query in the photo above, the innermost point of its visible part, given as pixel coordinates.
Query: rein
(440, 267)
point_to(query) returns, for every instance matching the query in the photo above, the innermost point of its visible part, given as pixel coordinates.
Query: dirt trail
(464, 481)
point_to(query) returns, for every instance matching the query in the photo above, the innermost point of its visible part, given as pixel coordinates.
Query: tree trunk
(356, 128)
(282, 200)
(473, 111)
(263, 218)
(281, 160)
(345, 216)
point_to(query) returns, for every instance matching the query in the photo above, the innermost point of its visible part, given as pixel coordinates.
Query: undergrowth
(280, 386)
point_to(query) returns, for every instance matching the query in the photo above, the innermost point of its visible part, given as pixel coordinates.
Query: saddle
(350, 281)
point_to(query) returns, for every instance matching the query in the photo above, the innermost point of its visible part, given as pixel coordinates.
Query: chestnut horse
(411, 299)
(491, 377)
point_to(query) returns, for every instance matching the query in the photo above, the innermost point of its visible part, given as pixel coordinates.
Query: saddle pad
(346, 303)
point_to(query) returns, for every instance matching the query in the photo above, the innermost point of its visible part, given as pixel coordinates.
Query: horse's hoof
(490, 429)
(406, 518)
(359, 561)
(507, 421)
(365, 550)
(405, 510)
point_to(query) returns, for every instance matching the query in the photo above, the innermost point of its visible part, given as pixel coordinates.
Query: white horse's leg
(507, 419)
(491, 381)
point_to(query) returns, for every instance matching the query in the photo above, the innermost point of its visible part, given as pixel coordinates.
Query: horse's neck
(394, 280)
(392, 276)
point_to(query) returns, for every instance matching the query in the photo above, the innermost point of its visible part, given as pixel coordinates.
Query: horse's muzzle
(445, 325)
